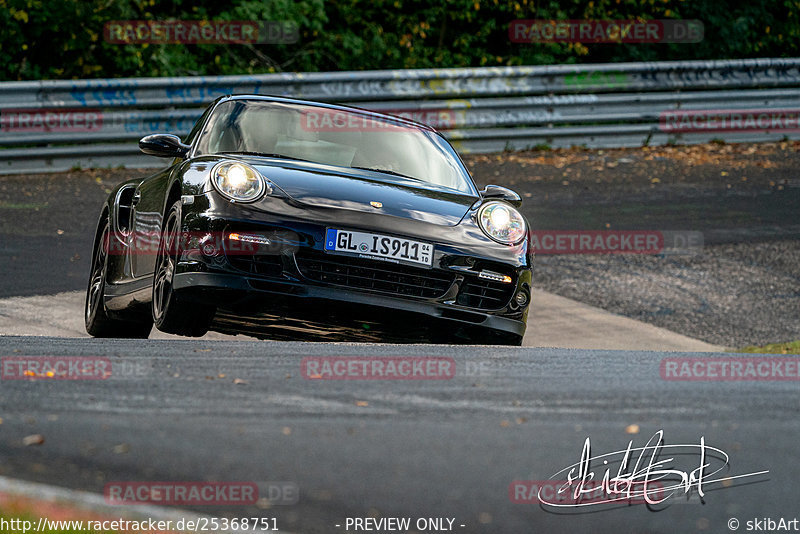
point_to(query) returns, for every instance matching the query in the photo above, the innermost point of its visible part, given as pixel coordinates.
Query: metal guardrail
(57, 125)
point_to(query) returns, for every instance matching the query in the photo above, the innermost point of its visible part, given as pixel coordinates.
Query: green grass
(791, 347)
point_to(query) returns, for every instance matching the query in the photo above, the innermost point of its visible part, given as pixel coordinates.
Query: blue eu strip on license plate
(379, 247)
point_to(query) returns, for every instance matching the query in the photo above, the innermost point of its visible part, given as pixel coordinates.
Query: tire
(96, 318)
(170, 313)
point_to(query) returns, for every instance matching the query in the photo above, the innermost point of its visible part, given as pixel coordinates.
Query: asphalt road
(408, 448)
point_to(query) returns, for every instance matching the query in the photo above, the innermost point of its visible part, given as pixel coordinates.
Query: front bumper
(292, 288)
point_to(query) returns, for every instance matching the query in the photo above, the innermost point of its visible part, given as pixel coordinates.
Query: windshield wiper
(393, 173)
(262, 154)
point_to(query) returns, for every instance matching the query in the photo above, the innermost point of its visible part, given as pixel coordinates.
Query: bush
(63, 39)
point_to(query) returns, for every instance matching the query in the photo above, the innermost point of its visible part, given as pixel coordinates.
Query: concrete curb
(560, 322)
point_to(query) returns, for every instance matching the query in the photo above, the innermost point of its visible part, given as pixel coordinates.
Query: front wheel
(171, 314)
(96, 318)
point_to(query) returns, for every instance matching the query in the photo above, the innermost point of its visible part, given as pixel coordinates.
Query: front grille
(484, 294)
(374, 275)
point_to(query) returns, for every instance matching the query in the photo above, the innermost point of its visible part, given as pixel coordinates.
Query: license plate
(379, 247)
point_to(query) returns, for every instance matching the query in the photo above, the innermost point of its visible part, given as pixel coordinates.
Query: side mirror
(496, 192)
(163, 146)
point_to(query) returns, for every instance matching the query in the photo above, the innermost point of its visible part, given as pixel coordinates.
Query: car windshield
(333, 137)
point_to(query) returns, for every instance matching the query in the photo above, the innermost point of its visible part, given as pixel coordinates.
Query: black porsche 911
(287, 219)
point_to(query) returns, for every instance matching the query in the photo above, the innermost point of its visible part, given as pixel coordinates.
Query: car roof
(350, 109)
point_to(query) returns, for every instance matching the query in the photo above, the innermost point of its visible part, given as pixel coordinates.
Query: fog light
(521, 298)
(496, 277)
(250, 238)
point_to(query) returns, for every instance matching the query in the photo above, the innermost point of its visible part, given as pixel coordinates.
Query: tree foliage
(63, 39)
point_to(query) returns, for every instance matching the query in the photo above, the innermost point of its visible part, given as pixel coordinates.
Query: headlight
(239, 182)
(502, 223)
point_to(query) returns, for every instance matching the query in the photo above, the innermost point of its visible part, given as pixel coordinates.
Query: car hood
(371, 192)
